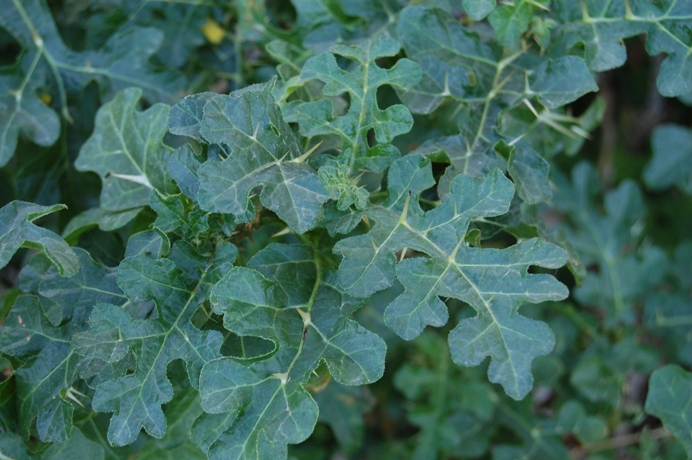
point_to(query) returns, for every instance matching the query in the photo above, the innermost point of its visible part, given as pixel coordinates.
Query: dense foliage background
(256, 275)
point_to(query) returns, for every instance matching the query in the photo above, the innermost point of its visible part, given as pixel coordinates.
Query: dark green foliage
(359, 228)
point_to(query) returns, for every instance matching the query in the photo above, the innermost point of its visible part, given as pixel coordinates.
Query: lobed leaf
(672, 159)
(462, 68)
(177, 289)
(17, 230)
(625, 274)
(601, 27)
(39, 330)
(363, 114)
(303, 311)
(48, 62)
(127, 151)
(22, 112)
(494, 282)
(259, 147)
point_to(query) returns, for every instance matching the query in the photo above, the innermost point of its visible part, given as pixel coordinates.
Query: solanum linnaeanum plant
(294, 195)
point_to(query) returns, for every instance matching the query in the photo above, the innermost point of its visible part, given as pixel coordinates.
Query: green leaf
(625, 274)
(550, 131)
(12, 447)
(39, 330)
(454, 414)
(183, 164)
(50, 65)
(670, 399)
(667, 316)
(273, 414)
(174, 217)
(92, 284)
(154, 243)
(51, 367)
(22, 112)
(97, 217)
(177, 290)
(602, 26)
(478, 9)
(439, 81)
(462, 68)
(602, 371)
(77, 447)
(122, 62)
(672, 160)
(181, 413)
(363, 114)
(17, 230)
(510, 21)
(561, 81)
(538, 436)
(574, 419)
(305, 314)
(341, 187)
(208, 428)
(185, 117)
(259, 148)
(453, 269)
(529, 170)
(342, 408)
(181, 25)
(127, 151)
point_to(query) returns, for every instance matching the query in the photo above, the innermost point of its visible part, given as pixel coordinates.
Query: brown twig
(616, 442)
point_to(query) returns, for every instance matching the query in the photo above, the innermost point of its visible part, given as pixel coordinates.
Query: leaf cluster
(369, 228)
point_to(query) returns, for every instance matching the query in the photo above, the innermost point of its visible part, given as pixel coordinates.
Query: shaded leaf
(670, 399)
(342, 408)
(624, 273)
(478, 9)
(17, 230)
(177, 291)
(49, 63)
(672, 160)
(601, 28)
(22, 112)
